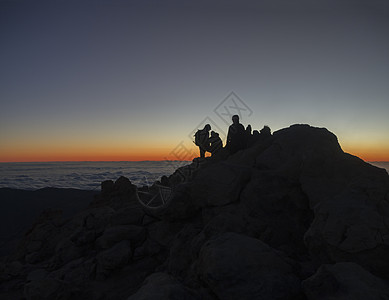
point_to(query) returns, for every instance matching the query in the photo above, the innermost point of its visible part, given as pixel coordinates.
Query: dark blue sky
(79, 75)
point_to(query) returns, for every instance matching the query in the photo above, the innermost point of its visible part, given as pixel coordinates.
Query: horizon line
(79, 161)
(164, 160)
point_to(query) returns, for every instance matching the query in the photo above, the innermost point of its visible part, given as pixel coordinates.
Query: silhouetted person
(255, 137)
(265, 132)
(215, 143)
(248, 136)
(202, 139)
(248, 129)
(236, 138)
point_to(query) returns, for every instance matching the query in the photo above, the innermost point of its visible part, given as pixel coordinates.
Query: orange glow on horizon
(103, 154)
(370, 156)
(367, 152)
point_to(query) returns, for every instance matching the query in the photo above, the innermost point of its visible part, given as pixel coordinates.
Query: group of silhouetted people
(212, 144)
(238, 138)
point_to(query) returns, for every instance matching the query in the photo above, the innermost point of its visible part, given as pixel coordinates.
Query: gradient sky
(130, 80)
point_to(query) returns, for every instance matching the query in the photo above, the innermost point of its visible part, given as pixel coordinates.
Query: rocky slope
(292, 217)
(25, 206)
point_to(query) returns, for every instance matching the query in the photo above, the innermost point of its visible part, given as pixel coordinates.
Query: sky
(132, 80)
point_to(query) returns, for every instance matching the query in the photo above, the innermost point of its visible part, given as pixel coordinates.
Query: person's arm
(228, 137)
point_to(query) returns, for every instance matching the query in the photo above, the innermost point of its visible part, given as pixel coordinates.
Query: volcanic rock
(291, 217)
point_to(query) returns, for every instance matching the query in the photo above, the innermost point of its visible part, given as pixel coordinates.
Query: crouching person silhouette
(215, 143)
(202, 139)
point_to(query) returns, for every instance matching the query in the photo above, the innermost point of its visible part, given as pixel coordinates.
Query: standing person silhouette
(249, 136)
(236, 138)
(202, 139)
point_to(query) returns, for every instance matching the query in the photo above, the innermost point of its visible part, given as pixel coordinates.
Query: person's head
(207, 127)
(266, 130)
(235, 119)
(214, 134)
(248, 128)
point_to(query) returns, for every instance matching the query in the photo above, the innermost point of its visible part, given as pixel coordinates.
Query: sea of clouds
(89, 175)
(82, 175)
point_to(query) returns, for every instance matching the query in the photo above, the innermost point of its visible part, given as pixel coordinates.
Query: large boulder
(348, 197)
(344, 281)
(181, 251)
(219, 184)
(291, 147)
(39, 243)
(181, 206)
(79, 271)
(65, 252)
(277, 211)
(48, 289)
(115, 234)
(235, 266)
(220, 223)
(113, 258)
(128, 215)
(94, 219)
(162, 286)
(350, 200)
(351, 227)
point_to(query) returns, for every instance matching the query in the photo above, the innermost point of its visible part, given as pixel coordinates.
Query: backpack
(197, 136)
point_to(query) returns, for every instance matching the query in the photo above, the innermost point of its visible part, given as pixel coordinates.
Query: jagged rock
(161, 286)
(97, 219)
(115, 195)
(181, 207)
(147, 220)
(113, 258)
(51, 216)
(79, 271)
(10, 269)
(148, 249)
(350, 229)
(48, 288)
(124, 186)
(344, 281)
(219, 184)
(277, 210)
(163, 232)
(107, 187)
(181, 251)
(129, 215)
(220, 223)
(351, 214)
(115, 234)
(39, 244)
(235, 266)
(65, 252)
(93, 219)
(224, 222)
(230, 231)
(165, 180)
(84, 237)
(37, 274)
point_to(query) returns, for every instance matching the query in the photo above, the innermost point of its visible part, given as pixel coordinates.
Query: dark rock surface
(26, 206)
(345, 281)
(291, 217)
(235, 266)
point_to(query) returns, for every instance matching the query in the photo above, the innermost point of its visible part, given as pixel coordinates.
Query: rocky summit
(291, 217)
